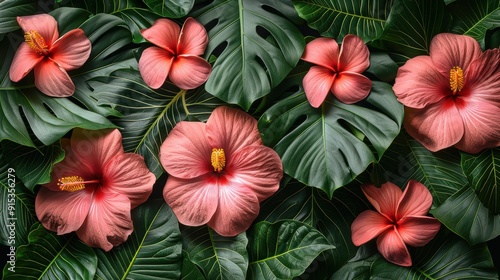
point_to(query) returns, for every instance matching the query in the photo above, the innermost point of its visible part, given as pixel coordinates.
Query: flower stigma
(73, 183)
(456, 79)
(36, 42)
(218, 159)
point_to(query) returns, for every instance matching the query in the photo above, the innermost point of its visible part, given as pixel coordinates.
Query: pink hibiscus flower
(400, 219)
(336, 71)
(94, 188)
(49, 55)
(219, 171)
(451, 97)
(175, 54)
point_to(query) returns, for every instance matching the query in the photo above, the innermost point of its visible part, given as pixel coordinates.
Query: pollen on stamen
(71, 183)
(36, 42)
(456, 79)
(218, 159)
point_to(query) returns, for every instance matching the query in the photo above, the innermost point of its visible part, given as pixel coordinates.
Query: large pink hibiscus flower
(219, 171)
(94, 188)
(49, 55)
(451, 97)
(176, 54)
(400, 219)
(338, 71)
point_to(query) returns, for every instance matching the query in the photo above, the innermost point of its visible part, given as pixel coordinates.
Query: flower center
(218, 159)
(73, 183)
(36, 42)
(456, 79)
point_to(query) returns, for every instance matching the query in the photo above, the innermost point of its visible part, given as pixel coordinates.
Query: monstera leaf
(256, 45)
(170, 8)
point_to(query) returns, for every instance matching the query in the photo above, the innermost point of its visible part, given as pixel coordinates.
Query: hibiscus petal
(385, 199)
(483, 77)
(189, 72)
(418, 231)
(71, 50)
(127, 174)
(232, 129)
(193, 39)
(154, 66)
(164, 33)
(481, 129)
(368, 225)
(108, 223)
(415, 201)
(317, 83)
(419, 84)
(448, 50)
(258, 168)
(52, 79)
(354, 55)
(437, 126)
(186, 153)
(44, 24)
(194, 201)
(391, 246)
(24, 60)
(238, 208)
(62, 212)
(323, 52)
(350, 87)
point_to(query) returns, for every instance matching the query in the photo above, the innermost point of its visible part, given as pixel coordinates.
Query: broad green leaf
(407, 159)
(284, 249)
(411, 25)
(170, 8)
(17, 214)
(153, 251)
(148, 115)
(319, 147)
(464, 214)
(51, 256)
(217, 257)
(483, 173)
(474, 18)
(189, 269)
(336, 18)
(256, 45)
(11, 10)
(382, 67)
(33, 165)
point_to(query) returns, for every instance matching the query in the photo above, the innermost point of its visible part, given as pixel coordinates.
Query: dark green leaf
(382, 66)
(9, 11)
(51, 256)
(153, 251)
(258, 46)
(170, 8)
(189, 269)
(217, 256)
(337, 18)
(284, 249)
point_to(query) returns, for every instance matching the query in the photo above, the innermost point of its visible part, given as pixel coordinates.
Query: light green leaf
(170, 8)
(256, 45)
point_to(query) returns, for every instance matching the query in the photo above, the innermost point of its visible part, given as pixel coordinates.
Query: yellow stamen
(36, 42)
(456, 79)
(218, 159)
(73, 183)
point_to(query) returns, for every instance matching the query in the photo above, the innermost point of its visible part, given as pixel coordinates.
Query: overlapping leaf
(170, 8)
(10, 10)
(336, 18)
(153, 251)
(258, 44)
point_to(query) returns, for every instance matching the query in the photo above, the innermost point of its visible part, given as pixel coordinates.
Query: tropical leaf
(474, 18)
(483, 174)
(189, 269)
(52, 256)
(284, 249)
(153, 251)
(464, 214)
(170, 8)
(217, 256)
(148, 115)
(258, 44)
(11, 10)
(411, 25)
(320, 147)
(336, 18)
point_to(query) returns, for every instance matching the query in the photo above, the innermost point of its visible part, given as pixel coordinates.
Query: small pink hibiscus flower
(400, 219)
(94, 188)
(49, 55)
(336, 71)
(176, 54)
(219, 171)
(451, 96)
